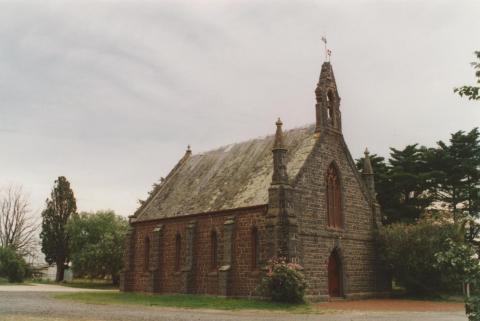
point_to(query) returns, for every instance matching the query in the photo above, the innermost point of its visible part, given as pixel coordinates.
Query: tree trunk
(60, 271)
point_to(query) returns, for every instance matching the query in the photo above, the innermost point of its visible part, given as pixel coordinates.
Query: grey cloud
(110, 93)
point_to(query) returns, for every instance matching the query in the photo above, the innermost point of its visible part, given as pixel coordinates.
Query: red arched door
(334, 275)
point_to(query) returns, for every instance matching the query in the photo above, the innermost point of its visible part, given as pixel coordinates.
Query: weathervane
(328, 52)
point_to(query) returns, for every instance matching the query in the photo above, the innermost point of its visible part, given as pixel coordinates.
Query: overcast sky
(109, 94)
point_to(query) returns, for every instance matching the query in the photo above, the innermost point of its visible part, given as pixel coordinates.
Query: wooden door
(334, 276)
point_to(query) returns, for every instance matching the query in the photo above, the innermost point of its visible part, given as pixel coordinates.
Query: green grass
(186, 301)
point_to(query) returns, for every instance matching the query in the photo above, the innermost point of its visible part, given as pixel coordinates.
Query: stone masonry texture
(289, 213)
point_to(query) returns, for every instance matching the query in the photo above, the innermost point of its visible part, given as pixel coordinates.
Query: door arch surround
(335, 275)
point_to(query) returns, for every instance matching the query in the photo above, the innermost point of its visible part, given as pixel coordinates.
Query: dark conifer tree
(457, 167)
(402, 186)
(59, 208)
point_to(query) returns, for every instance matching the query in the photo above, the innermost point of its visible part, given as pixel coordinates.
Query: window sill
(212, 274)
(177, 273)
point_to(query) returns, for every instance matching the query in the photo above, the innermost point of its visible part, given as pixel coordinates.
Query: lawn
(187, 301)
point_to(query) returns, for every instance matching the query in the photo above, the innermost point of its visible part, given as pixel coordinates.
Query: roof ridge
(305, 126)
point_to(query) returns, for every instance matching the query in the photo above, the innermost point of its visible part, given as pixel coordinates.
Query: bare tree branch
(18, 227)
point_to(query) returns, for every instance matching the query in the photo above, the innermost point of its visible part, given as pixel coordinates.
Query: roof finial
(279, 151)
(278, 144)
(328, 52)
(189, 150)
(367, 165)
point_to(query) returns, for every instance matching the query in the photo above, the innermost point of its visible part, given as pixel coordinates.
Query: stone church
(211, 225)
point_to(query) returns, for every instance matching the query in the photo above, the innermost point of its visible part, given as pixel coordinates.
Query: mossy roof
(233, 176)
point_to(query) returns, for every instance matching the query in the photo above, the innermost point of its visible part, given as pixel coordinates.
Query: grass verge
(82, 283)
(187, 301)
(20, 317)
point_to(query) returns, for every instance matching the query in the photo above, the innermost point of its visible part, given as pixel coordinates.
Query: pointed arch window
(213, 250)
(334, 198)
(330, 96)
(330, 112)
(255, 249)
(178, 252)
(146, 254)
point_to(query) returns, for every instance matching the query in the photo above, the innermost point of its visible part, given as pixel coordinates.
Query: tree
(408, 251)
(55, 239)
(410, 176)
(97, 242)
(472, 92)
(403, 185)
(460, 262)
(18, 227)
(457, 178)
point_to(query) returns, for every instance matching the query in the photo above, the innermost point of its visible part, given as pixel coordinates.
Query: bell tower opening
(328, 101)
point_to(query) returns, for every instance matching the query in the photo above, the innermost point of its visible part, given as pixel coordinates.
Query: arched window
(178, 252)
(146, 254)
(334, 198)
(213, 250)
(330, 95)
(330, 98)
(255, 248)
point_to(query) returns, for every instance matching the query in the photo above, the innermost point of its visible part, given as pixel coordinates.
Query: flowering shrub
(283, 282)
(472, 305)
(460, 261)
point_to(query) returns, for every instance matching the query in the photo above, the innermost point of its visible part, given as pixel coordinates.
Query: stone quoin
(213, 223)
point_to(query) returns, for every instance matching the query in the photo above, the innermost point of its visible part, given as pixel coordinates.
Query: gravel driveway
(31, 305)
(34, 287)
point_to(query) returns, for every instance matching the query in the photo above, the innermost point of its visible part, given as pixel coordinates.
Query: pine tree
(457, 177)
(403, 185)
(59, 209)
(410, 176)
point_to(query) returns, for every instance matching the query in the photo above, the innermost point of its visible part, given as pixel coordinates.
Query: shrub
(461, 262)
(12, 266)
(472, 305)
(408, 252)
(283, 282)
